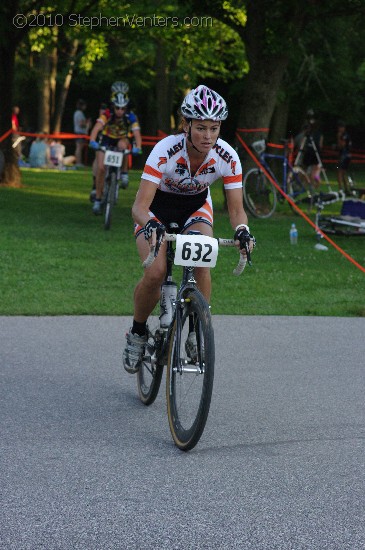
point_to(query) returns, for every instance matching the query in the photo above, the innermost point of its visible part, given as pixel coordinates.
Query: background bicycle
(259, 193)
(183, 339)
(349, 221)
(113, 160)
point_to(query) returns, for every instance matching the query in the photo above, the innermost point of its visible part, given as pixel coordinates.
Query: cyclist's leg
(147, 291)
(202, 220)
(146, 296)
(123, 144)
(100, 174)
(202, 274)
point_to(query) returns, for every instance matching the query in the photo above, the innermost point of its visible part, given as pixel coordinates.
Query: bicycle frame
(287, 168)
(188, 282)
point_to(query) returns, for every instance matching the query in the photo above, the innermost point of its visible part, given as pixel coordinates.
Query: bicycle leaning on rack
(113, 160)
(190, 372)
(259, 193)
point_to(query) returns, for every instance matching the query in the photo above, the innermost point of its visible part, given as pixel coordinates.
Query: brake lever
(248, 253)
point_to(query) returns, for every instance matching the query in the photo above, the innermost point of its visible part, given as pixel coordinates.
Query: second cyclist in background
(114, 132)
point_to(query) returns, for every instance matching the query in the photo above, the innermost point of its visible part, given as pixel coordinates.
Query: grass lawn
(57, 259)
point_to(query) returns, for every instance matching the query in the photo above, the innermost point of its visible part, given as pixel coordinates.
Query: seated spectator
(39, 156)
(57, 155)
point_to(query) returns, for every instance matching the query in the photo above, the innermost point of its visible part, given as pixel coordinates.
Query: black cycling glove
(153, 225)
(244, 237)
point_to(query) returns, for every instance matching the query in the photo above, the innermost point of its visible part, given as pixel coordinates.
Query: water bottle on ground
(293, 234)
(167, 303)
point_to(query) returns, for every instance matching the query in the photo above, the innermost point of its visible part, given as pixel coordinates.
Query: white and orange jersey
(168, 167)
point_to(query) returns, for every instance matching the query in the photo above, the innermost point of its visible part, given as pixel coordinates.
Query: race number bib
(196, 250)
(113, 158)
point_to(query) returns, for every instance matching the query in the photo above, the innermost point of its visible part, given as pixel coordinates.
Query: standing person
(175, 188)
(114, 133)
(81, 126)
(16, 128)
(343, 143)
(313, 145)
(15, 119)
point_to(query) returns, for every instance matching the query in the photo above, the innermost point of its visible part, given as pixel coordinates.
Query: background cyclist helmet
(202, 103)
(119, 86)
(119, 100)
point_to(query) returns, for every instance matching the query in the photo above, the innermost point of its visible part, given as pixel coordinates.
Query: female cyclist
(114, 131)
(175, 188)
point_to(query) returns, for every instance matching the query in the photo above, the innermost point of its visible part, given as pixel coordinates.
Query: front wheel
(110, 199)
(190, 370)
(259, 194)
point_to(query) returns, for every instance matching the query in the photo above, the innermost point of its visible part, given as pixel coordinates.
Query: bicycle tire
(150, 372)
(188, 394)
(259, 194)
(299, 189)
(110, 200)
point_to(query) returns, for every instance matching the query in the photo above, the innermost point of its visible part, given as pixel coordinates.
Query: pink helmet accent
(202, 103)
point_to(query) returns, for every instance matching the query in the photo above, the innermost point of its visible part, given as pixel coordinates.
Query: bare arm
(237, 214)
(138, 138)
(142, 203)
(94, 132)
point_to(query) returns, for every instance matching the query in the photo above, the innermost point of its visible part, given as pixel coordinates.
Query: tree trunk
(53, 81)
(279, 120)
(11, 172)
(259, 94)
(163, 109)
(44, 94)
(62, 96)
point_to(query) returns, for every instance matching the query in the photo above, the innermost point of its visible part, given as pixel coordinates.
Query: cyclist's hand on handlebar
(94, 145)
(154, 232)
(244, 241)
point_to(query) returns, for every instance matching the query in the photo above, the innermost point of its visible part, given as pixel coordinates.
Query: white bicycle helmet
(202, 103)
(119, 86)
(119, 100)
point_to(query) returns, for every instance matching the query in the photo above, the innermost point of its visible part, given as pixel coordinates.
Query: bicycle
(260, 194)
(189, 376)
(113, 160)
(349, 222)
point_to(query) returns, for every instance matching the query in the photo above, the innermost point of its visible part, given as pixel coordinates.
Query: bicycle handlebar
(172, 237)
(105, 149)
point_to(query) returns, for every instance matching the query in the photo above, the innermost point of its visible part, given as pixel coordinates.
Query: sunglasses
(119, 108)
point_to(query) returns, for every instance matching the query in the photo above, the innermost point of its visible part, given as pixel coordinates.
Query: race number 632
(196, 250)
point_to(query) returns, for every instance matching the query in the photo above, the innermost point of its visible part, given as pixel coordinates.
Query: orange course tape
(292, 203)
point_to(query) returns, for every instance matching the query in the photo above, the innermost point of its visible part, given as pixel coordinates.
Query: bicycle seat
(259, 146)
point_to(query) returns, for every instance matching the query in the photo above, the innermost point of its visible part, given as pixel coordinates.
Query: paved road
(281, 464)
